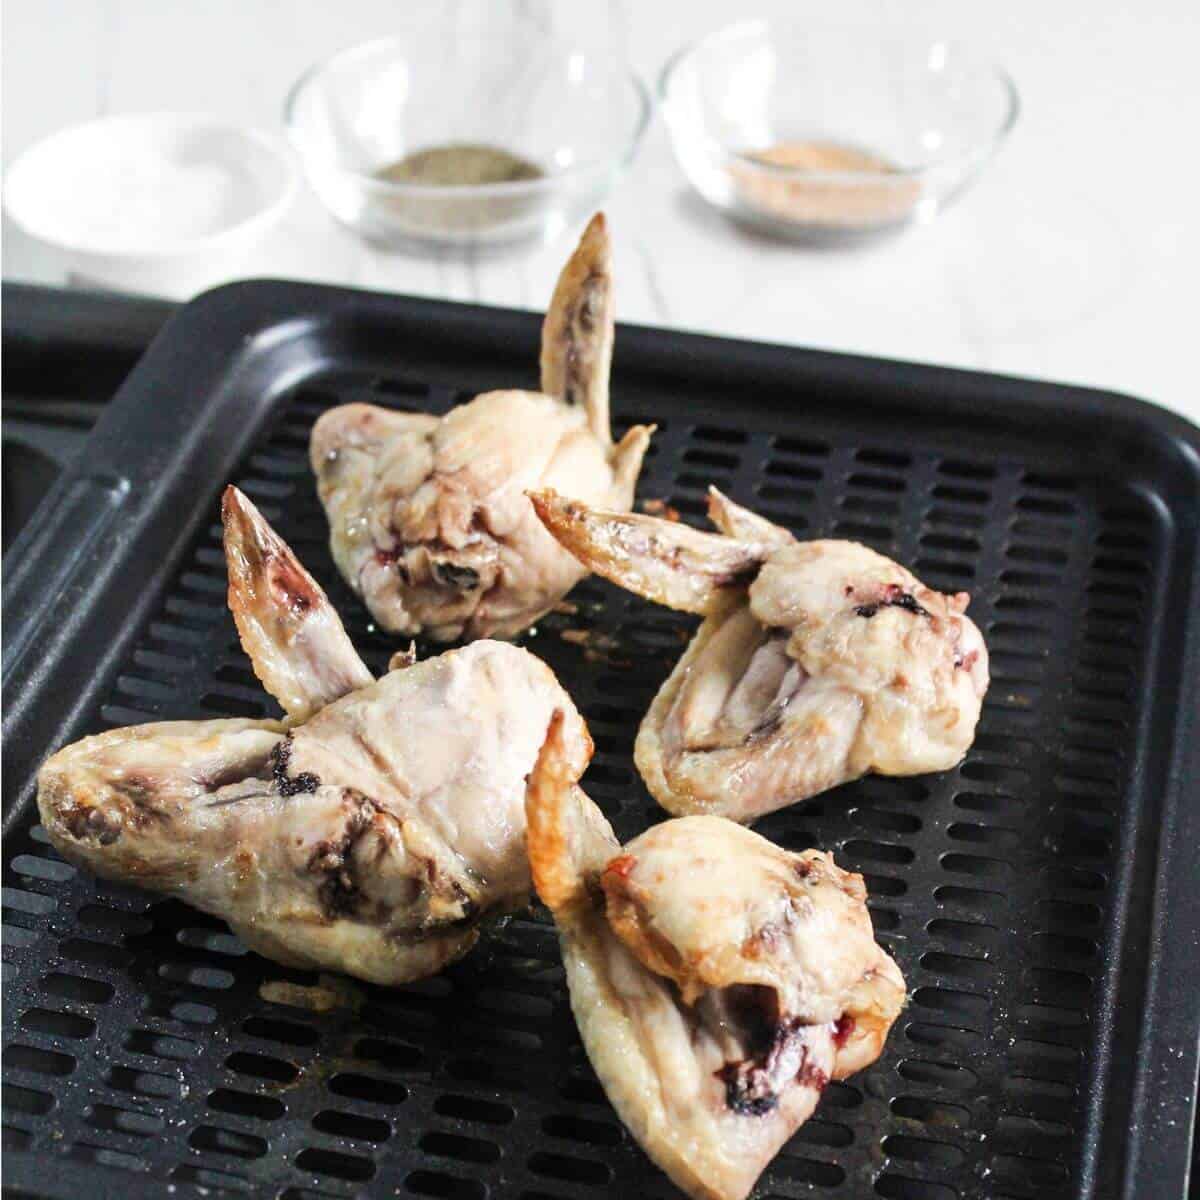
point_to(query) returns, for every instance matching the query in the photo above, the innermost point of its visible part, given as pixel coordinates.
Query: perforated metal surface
(140, 1036)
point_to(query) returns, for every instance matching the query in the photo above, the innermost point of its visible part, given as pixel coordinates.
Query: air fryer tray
(1042, 899)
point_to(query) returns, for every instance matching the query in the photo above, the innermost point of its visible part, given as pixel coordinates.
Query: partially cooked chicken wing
(428, 517)
(371, 834)
(718, 981)
(817, 661)
(293, 636)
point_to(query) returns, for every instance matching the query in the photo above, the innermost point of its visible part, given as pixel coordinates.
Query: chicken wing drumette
(428, 517)
(817, 662)
(370, 833)
(718, 981)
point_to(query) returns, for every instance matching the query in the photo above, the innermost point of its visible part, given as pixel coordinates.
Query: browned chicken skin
(428, 518)
(817, 661)
(371, 834)
(718, 981)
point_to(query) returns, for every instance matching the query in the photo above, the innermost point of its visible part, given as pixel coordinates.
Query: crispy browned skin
(665, 561)
(718, 981)
(287, 626)
(565, 833)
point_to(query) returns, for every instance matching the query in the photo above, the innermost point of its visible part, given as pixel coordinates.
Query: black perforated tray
(1042, 899)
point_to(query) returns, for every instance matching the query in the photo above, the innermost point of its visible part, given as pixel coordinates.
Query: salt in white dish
(162, 203)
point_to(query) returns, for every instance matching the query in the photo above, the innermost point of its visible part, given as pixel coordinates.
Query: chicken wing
(429, 522)
(718, 981)
(294, 639)
(372, 835)
(817, 662)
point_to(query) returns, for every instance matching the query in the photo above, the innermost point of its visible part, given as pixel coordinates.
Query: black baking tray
(1041, 898)
(64, 355)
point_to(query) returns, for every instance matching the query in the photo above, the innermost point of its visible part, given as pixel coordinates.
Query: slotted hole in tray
(353, 1126)
(1036, 548)
(350, 1167)
(446, 1187)
(354, 1086)
(902, 1187)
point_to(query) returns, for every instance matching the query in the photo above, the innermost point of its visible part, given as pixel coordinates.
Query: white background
(1075, 258)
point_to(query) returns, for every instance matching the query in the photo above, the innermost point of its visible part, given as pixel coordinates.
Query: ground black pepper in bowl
(430, 140)
(466, 166)
(460, 165)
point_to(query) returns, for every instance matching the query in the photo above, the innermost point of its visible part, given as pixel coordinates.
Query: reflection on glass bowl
(362, 120)
(828, 133)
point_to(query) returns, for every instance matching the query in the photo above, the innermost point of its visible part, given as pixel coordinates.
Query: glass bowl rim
(516, 187)
(976, 154)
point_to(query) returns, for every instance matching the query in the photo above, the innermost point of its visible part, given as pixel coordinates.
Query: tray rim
(230, 326)
(1099, 402)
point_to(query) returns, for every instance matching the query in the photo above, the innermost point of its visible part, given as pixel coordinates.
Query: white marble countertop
(1073, 259)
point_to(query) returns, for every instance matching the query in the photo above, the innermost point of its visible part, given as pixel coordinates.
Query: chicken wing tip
(592, 256)
(244, 525)
(294, 639)
(550, 506)
(547, 789)
(636, 435)
(234, 502)
(566, 835)
(403, 659)
(250, 534)
(735, 521)
(596, 231)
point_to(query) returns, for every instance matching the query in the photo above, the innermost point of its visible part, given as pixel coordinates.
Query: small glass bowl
(577, 116)
(830, 134)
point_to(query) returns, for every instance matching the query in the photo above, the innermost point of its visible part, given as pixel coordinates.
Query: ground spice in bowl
(460, 165)
(467, 166)
(849, 189)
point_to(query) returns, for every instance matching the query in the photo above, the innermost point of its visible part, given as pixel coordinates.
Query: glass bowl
(828, 134)
(575, 117)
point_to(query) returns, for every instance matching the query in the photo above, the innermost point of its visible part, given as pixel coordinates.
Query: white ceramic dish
(162, 203)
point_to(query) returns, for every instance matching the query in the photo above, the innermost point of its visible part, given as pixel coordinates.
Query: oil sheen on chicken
(817, 661)
(718, 981)
(369, 833)
(428, 517)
